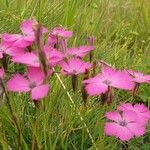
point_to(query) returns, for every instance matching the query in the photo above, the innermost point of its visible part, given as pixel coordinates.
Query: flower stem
(14, 118)
(74, 82)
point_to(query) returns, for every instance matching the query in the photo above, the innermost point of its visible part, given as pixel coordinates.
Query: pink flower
(139, 77)
(123, 125)
(81, 51)
(53, 56)
(108, 78)
(143, 113)
(74, 66)
(31, 59)
(62, 32)
(27, 27)
(18, 40)
(33, 82)
(11, 51)
(26, 38)
(2, 72)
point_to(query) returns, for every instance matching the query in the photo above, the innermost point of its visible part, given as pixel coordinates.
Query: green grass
(122, 32)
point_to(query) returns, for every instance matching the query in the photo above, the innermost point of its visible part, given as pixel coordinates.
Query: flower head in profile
(143, 113)
(62, 32)
(74, 66)
(26, 38)
(80, 51)
(139, 77)
(6, 48)
(34, 83)
(109, 77)
(123, 125)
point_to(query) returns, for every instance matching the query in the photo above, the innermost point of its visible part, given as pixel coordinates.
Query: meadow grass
(122, 32)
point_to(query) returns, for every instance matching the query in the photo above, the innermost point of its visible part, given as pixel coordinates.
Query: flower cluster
(127, 122)
(40, 55)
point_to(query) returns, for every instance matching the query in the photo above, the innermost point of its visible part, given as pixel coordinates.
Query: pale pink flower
(32, 83)
(143, 113)
(108, 78)
(74, 66)
(62, 32)
(123, 125)
(80, 51)
(139, 77)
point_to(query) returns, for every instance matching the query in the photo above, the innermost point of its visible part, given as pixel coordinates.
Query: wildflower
(123, 125)
(18, 40)
(143, 113)
(33, 82)
(61, 32)
(80, 52)
(53, 56)
(26, 38)
(5, 48)
(74, 66)
(31, 58)
(138, 78)
(108, 78)
(27, 27)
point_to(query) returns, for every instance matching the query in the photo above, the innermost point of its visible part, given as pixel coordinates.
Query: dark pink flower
(143, 113)
(108, 78)
(33, 82)
(123, 125)
(74, 66)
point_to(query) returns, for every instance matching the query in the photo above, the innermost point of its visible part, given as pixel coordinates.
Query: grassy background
(122, 32)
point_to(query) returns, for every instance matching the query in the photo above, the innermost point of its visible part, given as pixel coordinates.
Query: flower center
(74, 71)
(32, 85)
(107, 82)
(122, 123)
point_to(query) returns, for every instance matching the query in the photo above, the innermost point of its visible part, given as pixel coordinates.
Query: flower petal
(40, 92)
(18, 84)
